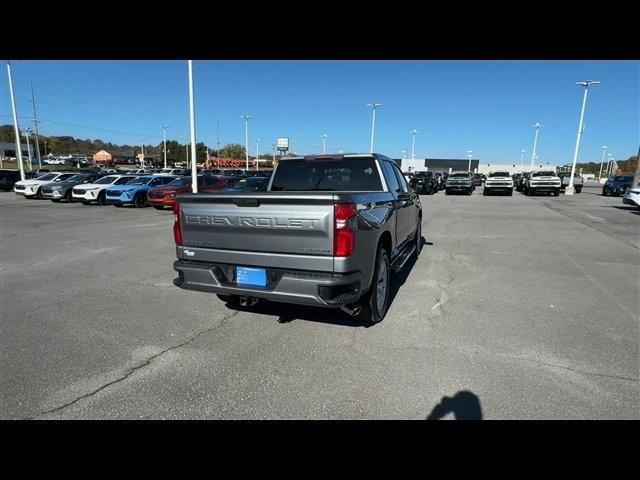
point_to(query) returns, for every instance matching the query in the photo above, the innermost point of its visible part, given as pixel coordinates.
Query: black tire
(39, 194)
(604, 192)
(556, 193)
(102, 198)
(69, 196)
(579, 189)
(371, 313)
(158, 207)
(139, 200)
(446, 192)
(232, 301)
(510, 193)
(418, 238)
(485, 192)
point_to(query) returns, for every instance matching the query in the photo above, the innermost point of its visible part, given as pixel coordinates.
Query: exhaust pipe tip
(354, 312)
(248, 301)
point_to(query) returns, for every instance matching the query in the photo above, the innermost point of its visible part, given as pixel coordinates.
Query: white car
(498, 182)
(32, 188)
(170, 171)
(54, 161)
(632, 197)
(542, 181)
(96, 191)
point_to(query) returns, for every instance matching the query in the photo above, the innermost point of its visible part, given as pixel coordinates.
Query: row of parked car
(139, 189)
(460, 182)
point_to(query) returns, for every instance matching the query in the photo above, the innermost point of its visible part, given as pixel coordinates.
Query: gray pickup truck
(577, 181)
(327, 232)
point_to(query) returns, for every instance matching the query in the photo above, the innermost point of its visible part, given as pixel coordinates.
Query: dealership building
(9, 150)
(456, 164)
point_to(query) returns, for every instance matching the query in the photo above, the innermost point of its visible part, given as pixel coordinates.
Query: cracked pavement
(530, 303)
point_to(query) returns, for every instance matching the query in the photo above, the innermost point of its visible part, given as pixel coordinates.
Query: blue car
(135, 191)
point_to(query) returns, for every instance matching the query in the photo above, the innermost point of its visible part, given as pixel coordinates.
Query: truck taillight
(342, 233)
(177, 233)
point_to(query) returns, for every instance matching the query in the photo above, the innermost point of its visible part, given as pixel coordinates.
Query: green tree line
(176, 151)
(624, 166)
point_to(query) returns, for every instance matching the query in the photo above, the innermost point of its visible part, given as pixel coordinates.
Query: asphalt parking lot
(531, 304)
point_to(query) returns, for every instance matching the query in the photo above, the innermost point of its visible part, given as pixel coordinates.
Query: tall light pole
(373, 122)
(636, 175)
(404, 154)
(26, 134)
(585, 84)
(535, 143)
(15, 122)
(257, 154)
(164, 141)
(604, 149)
(142, 159)
(413, 144)
(324, 143)
(522, 152)
(608, 164)
(470, 155)
(35, 122)
(246, 139)
(192, 122)
(612, 165)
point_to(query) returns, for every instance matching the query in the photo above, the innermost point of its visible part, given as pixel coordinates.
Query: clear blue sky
(486, 106)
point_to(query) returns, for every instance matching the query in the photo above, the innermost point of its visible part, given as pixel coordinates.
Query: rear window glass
(353, 174)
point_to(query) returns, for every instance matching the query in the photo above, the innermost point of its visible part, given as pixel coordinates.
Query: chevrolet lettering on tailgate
(268, 222)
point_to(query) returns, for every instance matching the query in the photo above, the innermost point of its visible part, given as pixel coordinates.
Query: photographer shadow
(464, 405)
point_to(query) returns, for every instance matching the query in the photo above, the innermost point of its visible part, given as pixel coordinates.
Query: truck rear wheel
(376, 301)
(556, 193)
(578, 188)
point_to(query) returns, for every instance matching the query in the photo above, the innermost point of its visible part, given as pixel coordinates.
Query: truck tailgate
(266, 222)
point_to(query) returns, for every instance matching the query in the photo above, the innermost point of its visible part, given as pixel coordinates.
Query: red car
(164, 196)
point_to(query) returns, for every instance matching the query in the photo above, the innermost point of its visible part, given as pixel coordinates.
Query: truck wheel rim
(381, 285)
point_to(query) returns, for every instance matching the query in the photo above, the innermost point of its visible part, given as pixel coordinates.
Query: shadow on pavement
(629, 208)
(288, 312)
(464, 405)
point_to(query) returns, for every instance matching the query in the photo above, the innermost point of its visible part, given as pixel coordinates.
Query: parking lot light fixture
(246, 118)
(537, 126)
(257, 156)
(522, 157)
(604, 150)
(192, 123)
(164, 144)
(27, 134)
(413, 145)
(469, 155)
(324, 143)
(373, 122)
(15, 122)
(585, 84)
